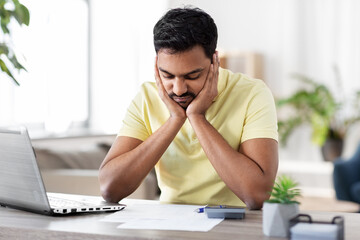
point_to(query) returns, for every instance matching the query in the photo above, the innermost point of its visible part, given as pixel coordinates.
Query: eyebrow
(186, 74)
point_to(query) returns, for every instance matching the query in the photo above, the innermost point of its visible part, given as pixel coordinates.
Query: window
(54, 92)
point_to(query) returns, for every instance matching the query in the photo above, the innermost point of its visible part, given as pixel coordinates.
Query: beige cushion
(89, 158)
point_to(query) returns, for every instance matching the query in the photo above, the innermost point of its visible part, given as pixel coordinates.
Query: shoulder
(148, 87)
(147, 91)
(242, 83)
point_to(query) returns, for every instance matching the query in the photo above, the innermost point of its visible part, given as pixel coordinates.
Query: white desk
(15, 224)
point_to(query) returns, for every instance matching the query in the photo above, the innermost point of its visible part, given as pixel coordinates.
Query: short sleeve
(134, 123)
(261, 118)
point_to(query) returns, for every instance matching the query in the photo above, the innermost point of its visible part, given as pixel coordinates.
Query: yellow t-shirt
(244, 109)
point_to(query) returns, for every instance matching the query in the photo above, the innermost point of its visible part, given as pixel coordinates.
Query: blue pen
(200, 210)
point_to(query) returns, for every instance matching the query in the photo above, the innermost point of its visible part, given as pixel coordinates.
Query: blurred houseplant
(281, 207)
(9, 10)
(317, 106)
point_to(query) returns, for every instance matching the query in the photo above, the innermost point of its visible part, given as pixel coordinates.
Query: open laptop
(21, 184)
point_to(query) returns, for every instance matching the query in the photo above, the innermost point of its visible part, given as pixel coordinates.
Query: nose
(179, 87)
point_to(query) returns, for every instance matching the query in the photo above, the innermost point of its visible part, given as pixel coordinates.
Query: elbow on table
(112, 192)
(254, 205)
(108, 191)
(109, 194)
(256, 202)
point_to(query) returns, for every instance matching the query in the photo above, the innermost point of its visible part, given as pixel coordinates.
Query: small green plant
(284, 191)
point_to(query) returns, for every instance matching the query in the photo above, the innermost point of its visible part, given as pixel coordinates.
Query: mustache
(172, 95)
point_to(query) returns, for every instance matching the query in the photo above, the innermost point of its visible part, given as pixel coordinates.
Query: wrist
(179, 120)
(196, 117)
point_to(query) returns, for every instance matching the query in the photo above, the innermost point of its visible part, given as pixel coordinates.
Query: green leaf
(320, 126)
(21, 14)
(284, 191)
(4, 49)
(5, 69)
(5, 20)
(286, 127)
(26, 15)
(16, 63)
(9, 54)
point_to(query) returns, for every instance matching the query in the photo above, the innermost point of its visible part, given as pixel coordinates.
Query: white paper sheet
(163, 217)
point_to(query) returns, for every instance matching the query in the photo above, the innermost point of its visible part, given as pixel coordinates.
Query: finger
(210, 77)
(214, 60)
(217, 58)
(216, 65)
(214, 79)
(211, 73)
(214, 73)
(161, 89)
(156, 70)
(157, 77)
(212, 69)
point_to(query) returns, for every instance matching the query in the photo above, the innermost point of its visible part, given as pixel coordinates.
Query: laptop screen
(20, 180)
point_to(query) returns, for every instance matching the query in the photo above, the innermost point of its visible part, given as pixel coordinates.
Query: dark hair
(181, 29)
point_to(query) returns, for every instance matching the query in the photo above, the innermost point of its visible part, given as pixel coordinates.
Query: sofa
(70, 165)
(346, 177)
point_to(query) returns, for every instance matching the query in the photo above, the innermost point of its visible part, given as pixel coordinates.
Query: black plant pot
(332, 149)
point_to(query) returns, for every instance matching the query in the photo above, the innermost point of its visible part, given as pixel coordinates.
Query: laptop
(22, 187)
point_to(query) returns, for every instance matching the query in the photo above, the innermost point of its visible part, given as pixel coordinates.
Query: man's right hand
(129, 160)
(175, 109)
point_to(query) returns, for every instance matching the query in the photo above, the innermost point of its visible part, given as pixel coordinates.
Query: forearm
(120, 175)
(243, 175)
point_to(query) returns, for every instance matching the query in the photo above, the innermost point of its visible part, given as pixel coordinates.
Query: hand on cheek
(175, 109)
(207, 94)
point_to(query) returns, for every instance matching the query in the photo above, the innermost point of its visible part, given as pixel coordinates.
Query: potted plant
(281, 207)
(317, 106)
(10, 9)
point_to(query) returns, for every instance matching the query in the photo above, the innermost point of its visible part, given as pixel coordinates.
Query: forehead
(182, 62)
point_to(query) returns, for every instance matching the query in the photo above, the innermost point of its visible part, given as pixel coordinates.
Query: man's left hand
(207, 94)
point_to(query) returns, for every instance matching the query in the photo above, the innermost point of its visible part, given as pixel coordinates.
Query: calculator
(223, 211)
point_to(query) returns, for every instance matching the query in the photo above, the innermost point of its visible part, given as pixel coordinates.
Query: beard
(183, 100)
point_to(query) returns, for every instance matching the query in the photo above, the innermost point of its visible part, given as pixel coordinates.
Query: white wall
(122, 56)
(248, 26)
(294, 36)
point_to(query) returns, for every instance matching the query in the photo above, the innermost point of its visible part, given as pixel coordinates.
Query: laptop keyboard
(66, 203)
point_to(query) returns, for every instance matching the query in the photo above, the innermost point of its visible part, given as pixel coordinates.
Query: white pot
(276, 218)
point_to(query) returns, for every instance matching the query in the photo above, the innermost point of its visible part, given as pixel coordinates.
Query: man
(211, 134)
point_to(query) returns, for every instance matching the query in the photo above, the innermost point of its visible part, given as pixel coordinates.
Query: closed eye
(192, 77)
(168, 76)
